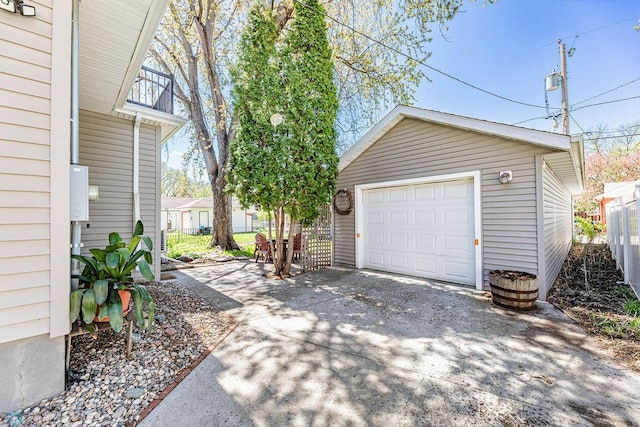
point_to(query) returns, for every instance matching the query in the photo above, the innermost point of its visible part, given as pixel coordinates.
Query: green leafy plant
(632, 307)
(108, 271)
(588, 228)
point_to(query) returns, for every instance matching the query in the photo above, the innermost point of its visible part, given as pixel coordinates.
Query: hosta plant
(108, 271)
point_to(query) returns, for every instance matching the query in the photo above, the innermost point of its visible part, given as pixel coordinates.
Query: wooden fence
(590, 216)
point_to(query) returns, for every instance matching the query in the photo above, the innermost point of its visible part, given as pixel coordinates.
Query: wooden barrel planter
(514, 289)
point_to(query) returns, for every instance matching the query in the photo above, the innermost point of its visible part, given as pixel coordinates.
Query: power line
(418, 60)
(621, 132)
(577, 124)
(607, 91)
(606, 26)
(604, 132)
(528, 120)
(614, 137)
(575, 38)
(606, 102)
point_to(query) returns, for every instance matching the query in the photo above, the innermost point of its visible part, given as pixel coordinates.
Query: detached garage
(450, 198)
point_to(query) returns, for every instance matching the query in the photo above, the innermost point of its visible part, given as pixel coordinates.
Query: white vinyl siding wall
(106, 147)
(25, 178)
(416, 149)
(558, 226)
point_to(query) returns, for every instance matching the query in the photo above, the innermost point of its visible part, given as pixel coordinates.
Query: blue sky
(510, 46)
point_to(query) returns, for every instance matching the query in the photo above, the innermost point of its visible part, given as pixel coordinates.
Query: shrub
(589, 228)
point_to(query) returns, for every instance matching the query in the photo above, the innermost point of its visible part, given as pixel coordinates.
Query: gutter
(76, 229)
(136, 169)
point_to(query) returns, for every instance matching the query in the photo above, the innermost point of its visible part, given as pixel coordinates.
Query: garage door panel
(426, 267)
(398, 195)
(424, 230)
(456, 270)
(399, 262)
(457, 245)
(425, 192)
(375, 196)
(375, 217)
(398, 218)
(425, 241)
(456, 191)
(375, 259)
(399, 241)
(457, 216)
(375, 238)
(425, 216)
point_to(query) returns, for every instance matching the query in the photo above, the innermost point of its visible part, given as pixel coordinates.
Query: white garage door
(424, 230)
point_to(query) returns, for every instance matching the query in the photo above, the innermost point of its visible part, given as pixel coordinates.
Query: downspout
(76, 230)
(136, 169)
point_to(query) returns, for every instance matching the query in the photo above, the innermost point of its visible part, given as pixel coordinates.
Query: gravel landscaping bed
(110, 390)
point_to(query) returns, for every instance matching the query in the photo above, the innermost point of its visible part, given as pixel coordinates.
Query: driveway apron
(350, 347)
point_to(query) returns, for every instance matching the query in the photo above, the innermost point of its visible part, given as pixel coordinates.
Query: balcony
(153, 89)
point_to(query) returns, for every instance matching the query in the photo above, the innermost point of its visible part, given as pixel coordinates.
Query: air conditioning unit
(163, 241)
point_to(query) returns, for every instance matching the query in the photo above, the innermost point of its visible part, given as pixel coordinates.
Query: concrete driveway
(344, 347)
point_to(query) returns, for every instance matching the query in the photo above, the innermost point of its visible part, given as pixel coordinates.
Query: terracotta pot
(125, 297)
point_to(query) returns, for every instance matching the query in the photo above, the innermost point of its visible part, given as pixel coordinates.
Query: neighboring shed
(611, 191)
(189, 213)
(428, 200)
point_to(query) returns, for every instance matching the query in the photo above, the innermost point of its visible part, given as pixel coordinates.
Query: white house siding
(558, 227)
(33, 192)
(415, 149)
(241, 221)
(106, 147)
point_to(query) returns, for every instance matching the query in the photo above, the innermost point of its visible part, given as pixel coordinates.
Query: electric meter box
(79, 193)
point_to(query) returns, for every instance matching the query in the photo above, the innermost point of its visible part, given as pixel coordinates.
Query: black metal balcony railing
(153, 89)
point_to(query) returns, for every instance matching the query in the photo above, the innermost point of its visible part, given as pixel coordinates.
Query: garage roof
(567, 160)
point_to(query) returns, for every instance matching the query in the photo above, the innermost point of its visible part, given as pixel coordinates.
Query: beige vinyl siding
(106, 147)
(416, 149)
(25, 127)
(558, 226)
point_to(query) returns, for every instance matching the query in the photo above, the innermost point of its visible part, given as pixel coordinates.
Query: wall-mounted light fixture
(505, 177)
(14, 6)
(8, 5)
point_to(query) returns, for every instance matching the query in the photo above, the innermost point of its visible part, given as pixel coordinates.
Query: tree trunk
(191, 97)
(279, 258)
(289, 256)
(222, 233)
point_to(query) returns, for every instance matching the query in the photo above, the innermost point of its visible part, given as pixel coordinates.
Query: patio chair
(263, 247)
(297, 246)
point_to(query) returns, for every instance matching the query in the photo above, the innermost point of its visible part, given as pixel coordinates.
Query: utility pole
(565, 96)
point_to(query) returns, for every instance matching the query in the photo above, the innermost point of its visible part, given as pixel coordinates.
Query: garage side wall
(558, 226)
(416, 149)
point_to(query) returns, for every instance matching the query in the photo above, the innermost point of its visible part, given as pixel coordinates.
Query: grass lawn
(195, 246)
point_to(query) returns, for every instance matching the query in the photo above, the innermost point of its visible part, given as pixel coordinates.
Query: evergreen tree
(310, 114)
(287, 166)
(257, 91)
